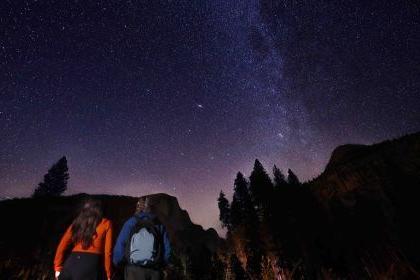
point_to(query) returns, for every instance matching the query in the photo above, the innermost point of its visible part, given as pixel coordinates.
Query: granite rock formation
(31, 229)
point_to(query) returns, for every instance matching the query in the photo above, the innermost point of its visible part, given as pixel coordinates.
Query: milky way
(178, 96)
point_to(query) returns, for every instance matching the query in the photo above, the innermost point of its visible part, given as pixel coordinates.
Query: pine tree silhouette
(242, 210)
(55, 181)
(279, 178)
(292, 179)
(279, 201)
(224, 209)
(261, 188)
(244, 215)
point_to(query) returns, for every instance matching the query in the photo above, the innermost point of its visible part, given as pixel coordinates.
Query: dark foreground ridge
(32, 228)
(356, 220)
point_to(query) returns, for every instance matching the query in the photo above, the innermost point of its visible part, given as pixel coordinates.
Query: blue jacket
(119, 249)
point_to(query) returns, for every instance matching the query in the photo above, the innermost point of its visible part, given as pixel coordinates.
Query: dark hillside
(32, 229)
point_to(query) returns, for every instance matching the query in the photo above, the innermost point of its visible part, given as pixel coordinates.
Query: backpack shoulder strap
(156, 221)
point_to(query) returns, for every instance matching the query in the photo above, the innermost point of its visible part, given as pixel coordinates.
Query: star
(140, 98)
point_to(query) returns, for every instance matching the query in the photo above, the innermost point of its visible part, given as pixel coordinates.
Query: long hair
(84, 226)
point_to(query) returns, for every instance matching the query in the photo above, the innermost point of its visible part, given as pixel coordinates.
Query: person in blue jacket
(132, 271)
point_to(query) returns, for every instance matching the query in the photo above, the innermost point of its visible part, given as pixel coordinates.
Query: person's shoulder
(130, 221)
(106, 222)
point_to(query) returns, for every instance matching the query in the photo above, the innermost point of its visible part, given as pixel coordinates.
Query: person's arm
(119, 248)
(61, 249)
(108, 250)
(166, 244)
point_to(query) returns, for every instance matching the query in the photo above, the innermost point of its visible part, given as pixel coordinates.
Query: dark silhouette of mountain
(356, 220)
(371, 196)
(370, 166)
(32, 228)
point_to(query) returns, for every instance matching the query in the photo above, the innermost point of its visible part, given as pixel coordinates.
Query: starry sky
(178, 96)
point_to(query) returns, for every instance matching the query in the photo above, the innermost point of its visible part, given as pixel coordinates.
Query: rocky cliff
(371, 194)
(375, 167)
(31, 229)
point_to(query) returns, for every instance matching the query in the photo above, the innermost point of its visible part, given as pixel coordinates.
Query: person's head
(84, 226)
(143, 205)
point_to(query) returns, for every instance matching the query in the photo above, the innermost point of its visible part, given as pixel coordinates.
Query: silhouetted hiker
(142, 245)
(90, 236)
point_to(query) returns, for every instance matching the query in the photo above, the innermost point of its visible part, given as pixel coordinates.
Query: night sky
(178, 96)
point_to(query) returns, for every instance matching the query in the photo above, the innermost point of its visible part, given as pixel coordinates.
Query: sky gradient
(178, 96)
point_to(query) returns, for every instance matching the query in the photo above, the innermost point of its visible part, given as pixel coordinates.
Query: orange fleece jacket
(102, 244)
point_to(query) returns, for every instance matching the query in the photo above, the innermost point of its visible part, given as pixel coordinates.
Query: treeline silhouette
(279, 229)
(55, 181)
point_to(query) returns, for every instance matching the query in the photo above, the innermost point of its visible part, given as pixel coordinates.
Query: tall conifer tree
(261, 188)
(242, 211)
(292, 179)
(279, 178)
(224, 209)
(55, 181)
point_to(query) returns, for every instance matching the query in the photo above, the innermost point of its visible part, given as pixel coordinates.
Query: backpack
(145, 245)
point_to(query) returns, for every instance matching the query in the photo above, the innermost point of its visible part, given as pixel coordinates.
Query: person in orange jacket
(90, 237)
